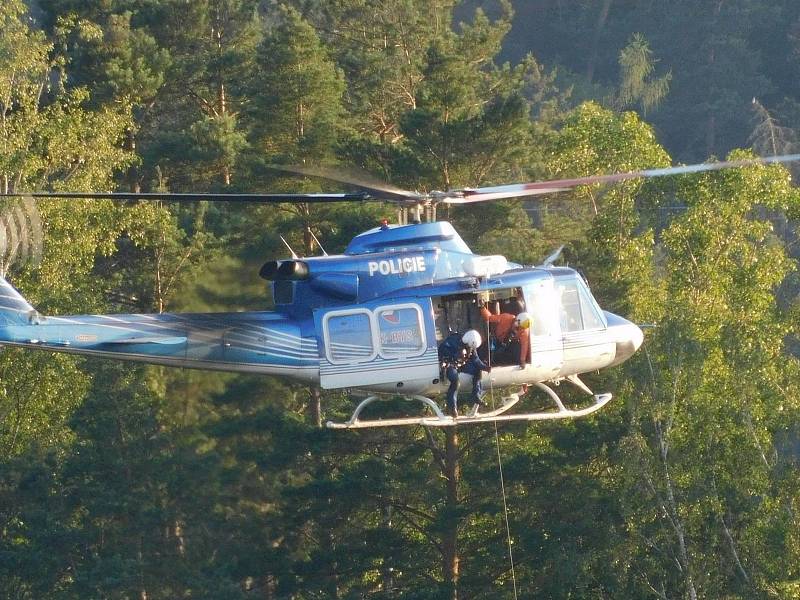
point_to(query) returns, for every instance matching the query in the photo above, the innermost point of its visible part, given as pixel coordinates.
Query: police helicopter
(380, 317)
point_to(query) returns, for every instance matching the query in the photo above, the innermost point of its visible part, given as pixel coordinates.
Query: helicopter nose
(637, 336)
(628, 342)
(628, 337)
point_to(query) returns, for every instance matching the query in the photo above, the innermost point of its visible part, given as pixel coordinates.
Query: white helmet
(472, 339)
(523, 320)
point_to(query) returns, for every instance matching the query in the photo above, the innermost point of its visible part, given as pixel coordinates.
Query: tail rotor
(21, 237)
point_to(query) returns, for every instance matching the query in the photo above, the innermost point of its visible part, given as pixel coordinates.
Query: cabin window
(457, 314)
(349, 336)
(509, 301)
(400, 329)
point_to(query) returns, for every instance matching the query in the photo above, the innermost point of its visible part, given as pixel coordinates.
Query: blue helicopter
(376, 318)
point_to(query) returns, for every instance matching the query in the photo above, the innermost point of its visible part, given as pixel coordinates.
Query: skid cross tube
(439, 419)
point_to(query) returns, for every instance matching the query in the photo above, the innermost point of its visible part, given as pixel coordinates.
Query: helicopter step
(440, 419)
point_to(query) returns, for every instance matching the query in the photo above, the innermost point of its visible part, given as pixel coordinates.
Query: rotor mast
(418, 213)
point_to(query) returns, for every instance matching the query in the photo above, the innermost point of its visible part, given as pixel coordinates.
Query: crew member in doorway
(474, 366)
(471, 365)
(452, 356)
(511, 332)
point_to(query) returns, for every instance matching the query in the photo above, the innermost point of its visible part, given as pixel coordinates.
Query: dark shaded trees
(720, 54)
(143, 482)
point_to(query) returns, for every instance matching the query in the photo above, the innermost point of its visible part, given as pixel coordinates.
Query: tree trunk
(332, 583)
(222, 104)
(315, 406)
(452, 473)
(133, 171)
(602, 18)
(675, 518)
(387, 568)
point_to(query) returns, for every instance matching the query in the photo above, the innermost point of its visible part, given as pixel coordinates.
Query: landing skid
(439, 419)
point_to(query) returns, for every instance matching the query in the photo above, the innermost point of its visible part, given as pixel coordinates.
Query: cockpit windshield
(579, 310)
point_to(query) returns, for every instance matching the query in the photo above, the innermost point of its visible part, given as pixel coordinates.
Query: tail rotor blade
(36, 235)
(20, 234)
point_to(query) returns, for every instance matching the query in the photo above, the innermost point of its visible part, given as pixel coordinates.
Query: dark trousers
(452, 391)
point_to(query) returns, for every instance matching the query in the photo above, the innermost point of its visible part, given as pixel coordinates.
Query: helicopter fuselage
(372, 318)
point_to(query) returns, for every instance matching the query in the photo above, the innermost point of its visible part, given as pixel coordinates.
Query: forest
(128, 481)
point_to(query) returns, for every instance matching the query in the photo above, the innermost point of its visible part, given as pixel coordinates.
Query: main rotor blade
(194, 197)
(389, 193)
(361, 180)
(519, 190)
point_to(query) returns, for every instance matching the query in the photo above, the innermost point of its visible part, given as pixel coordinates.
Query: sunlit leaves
(712, 394)
(594, 140)
(721, 388)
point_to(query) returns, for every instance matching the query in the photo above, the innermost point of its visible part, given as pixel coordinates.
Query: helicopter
(374, 318)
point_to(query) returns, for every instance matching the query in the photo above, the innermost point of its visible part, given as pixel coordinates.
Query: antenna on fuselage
(318, 244)
(285, 243)
(548, 262)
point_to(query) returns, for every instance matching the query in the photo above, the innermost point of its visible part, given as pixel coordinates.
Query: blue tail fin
(13, 307)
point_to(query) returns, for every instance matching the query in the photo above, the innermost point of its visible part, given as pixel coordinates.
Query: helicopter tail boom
(262, 342)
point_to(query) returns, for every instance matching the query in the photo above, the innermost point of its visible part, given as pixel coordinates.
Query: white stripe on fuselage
(305, 347)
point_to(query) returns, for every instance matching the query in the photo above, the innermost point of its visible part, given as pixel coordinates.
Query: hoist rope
(500, 468)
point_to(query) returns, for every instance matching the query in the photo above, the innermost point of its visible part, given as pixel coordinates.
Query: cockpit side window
(589, 310)
(579, 312)
(570, 307)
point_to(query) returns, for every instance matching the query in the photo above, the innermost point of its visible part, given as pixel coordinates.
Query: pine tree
(637, 86)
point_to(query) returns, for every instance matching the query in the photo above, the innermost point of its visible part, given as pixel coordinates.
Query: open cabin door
(547, 343)
(385, 344)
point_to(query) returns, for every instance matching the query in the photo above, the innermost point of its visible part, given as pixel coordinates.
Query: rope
(500, 468)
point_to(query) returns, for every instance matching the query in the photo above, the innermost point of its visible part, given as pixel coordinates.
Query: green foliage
(296, 94)
(190, 135)
(217, 141)
(714, 396)
(131, 482)
(24, 68)
(119, 61)
(637, 87)
(381, 48)
(720, 55)
(605, 229)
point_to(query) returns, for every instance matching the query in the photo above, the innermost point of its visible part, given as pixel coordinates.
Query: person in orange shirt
(511, 331)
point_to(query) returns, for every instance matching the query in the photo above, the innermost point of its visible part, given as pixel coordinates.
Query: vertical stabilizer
(13, 307)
